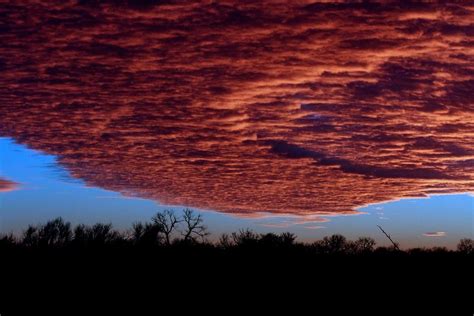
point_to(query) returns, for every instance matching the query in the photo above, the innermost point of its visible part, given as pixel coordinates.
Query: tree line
(169, 230)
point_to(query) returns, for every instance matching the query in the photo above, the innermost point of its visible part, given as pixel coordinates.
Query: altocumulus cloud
(245, 107)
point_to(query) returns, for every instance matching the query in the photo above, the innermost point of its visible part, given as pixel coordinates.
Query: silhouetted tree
(271, 240)
(7, 241)
(245, 238)
(387, 250)
(103, 234)
(166, 223)
(58, 234)
(333, 244)
(80, 235)
(466, 246)
(225, 242)
(146, 234)
(363, 245)
(55, 233)
(439, 250)
(193, 226)
(97, 235)
(138, 230)
(288, 238)
(30, 236)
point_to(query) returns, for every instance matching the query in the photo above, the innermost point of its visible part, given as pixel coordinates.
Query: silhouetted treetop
(168, 230)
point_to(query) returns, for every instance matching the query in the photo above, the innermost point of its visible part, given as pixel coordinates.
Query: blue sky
(46, 191)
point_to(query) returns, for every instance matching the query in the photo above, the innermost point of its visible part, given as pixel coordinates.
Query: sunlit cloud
(245, 108)
(435, 234)
(314, 227)
(7, 186)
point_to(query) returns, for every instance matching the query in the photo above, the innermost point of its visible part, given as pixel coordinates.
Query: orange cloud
(242, 107)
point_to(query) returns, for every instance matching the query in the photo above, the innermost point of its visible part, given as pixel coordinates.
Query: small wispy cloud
(7, 186)
(434, 234)
(314, 227)
(290, 221)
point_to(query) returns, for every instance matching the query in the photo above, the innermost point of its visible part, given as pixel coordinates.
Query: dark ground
(54, 264)
(201, 280)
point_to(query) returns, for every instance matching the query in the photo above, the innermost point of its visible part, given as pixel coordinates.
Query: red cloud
(246, 107)
(6, 186)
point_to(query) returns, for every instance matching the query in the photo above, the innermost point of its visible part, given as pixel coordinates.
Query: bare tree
(193, 226)
(167, 222)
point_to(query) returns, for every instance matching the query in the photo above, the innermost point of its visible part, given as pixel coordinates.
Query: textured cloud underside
(274, 106)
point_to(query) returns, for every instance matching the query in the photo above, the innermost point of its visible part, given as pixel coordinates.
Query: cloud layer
(275, 106)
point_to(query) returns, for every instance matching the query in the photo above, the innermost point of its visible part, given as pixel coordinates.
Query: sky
(283, 108)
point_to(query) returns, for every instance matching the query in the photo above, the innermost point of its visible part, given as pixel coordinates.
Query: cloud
(291, 220)
(7, 186)
(314, 227)
(435, 234)
(246, 108)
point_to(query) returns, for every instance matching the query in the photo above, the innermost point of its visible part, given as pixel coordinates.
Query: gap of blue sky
(46, 191)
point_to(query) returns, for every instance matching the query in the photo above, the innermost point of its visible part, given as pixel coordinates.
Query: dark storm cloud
(245, 107)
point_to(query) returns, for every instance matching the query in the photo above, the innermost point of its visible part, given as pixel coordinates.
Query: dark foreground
(199, 278)
(53, 263)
